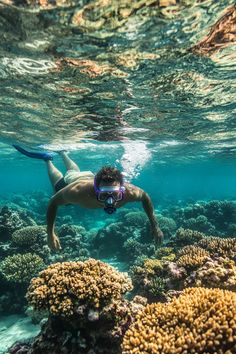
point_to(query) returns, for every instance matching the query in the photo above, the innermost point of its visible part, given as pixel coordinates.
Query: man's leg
(54, 174)
(70, 165)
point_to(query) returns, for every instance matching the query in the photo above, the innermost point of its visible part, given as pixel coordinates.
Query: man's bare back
(106, 190)
(82, 193)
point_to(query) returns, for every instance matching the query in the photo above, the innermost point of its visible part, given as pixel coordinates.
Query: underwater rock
(222, 34)
(198, 321)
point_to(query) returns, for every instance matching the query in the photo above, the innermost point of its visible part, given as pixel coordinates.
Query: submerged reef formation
(11, 220)
(191, 257)
(199, 321)
(87, 311)
(20, 268)
(185, 237)
(62, 287)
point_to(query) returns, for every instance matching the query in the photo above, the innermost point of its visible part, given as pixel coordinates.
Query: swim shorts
(72, 176)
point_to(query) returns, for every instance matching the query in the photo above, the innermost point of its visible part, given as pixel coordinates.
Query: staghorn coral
(62, 287)
(225, 247)
(191, 257)
(20, 268)
(27, 236)
(214, 273)
(199, 321)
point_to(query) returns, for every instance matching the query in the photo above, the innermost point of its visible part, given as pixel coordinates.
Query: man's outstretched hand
(54, 243)
(157, 235)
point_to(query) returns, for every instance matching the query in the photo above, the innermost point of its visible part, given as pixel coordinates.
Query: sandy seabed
(14, 328)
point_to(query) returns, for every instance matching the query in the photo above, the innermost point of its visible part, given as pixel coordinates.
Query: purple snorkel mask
(109, 195)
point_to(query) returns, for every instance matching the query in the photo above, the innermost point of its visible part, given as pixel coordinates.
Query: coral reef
(11, 220)
(185, 237)
(214, 273)
(63, 287)
(20, 268)
(191, 257)
(225, 247)
(28, 236)
(199, 321)
(87, 312)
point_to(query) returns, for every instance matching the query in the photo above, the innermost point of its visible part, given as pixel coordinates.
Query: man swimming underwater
(105, 190)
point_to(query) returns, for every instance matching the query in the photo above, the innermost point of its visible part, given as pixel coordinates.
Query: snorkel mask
(109, 195)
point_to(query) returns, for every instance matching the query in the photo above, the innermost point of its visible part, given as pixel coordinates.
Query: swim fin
(46, 156)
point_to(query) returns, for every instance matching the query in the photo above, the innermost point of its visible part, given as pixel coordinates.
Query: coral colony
(178, 298)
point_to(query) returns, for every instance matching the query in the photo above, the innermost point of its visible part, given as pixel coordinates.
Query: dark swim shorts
(60, 184)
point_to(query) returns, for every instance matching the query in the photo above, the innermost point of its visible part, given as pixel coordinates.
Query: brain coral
(20, 268)
(199, 321)
(63, 287)
(27, 236)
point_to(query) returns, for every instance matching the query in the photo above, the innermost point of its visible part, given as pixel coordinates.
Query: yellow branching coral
(225, 247)
(192, 257)
(20, 268)
(62, 287)
(152, 266)
(27, 236)
(199, 321)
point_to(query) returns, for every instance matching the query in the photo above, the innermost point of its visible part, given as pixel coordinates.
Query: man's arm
(135, 194)
(149, 210)
(56, 200)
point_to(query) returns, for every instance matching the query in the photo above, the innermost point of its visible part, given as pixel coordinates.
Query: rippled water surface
(117, 76)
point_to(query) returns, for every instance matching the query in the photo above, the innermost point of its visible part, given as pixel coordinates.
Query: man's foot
(41, 155)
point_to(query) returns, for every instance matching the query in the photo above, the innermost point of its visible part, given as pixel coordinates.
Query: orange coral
(199, 321)
(62, 287)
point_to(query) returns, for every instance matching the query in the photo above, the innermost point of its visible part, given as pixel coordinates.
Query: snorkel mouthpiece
(109, 208)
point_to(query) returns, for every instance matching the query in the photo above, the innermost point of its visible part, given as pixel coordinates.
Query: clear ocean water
(127, 92)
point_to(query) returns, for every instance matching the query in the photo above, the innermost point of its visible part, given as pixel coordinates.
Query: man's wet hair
(109, 174)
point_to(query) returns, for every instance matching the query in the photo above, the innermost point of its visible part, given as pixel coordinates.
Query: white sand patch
(14, 328)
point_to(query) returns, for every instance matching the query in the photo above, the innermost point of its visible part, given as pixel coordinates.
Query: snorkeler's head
(109, 176)
(109, 189)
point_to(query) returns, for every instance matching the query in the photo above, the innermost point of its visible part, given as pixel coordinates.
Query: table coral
(63, 287)
(199, 321)
(20, 268)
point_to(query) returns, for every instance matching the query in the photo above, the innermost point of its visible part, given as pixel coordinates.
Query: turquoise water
(129, 93)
